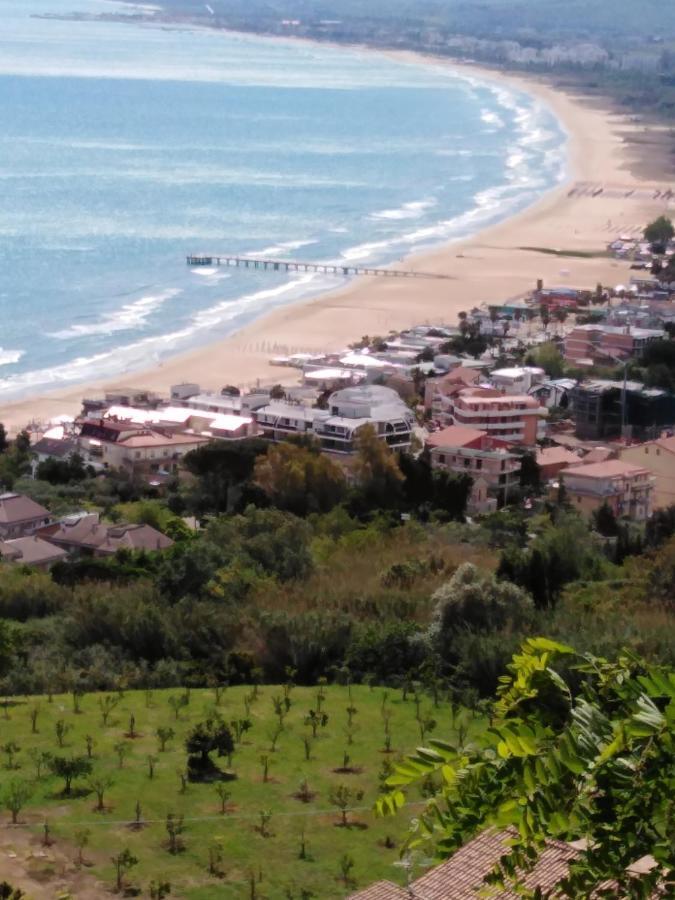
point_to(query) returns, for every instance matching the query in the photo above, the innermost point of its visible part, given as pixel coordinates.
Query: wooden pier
(291, 265)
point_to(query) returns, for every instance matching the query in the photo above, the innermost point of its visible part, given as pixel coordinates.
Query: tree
(299, 479)
(15, 796)
(4, 443)
(124, 861)
(174, 829)
(596, 765)
(344, 797)
(605, 521)
(70, 768)
(548, 357)
(164, 735)
(660, 231)
(475, 601)
(107, 704)
(207, 737)
(99, 784)
(376, 470)
(530, 471)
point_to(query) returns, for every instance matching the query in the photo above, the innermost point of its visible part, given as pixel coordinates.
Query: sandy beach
(605, 149)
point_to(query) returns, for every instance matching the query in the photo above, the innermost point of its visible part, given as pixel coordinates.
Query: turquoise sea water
(125, 147)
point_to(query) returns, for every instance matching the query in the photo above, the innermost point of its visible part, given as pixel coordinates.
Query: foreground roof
(462, 877)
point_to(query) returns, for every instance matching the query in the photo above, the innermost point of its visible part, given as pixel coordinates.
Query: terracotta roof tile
(382, 890)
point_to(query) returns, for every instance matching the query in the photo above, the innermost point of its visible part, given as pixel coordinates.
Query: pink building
(587, 345)
(625, 488)
(437, 391)
(473, 452)
(514, 418)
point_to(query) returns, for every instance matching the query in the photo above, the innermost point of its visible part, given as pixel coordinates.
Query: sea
(125, 147)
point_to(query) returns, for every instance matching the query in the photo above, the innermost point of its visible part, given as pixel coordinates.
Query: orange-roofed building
(437, 390)
(552, 461)
(509, 417)
(486, 459)
(626, 489)
(658, 457)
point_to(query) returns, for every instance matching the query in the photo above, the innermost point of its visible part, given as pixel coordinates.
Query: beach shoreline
(492, 265)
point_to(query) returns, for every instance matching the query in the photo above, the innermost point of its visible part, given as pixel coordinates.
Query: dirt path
(44, 873)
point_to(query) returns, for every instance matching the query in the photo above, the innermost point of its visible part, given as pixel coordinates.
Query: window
(441, 457)
(479, 463)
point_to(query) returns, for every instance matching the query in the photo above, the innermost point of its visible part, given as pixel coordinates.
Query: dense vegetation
(338, 577)
(579, 748)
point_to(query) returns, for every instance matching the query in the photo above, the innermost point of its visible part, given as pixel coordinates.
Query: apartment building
(474, 452)
(625, 488)
(516, 418)
(658, 457)
(599, 344)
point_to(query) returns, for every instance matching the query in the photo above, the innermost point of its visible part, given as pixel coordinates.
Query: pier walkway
(291, 265)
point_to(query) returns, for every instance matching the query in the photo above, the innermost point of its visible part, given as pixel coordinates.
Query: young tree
(10, 749)
(224, 796)
(152, 762)
(107, 704)
(343, 797)
(40, 760)
(15, 796)
(99, 784)
(174, 829)
(123, 861)
(82, 836)
(62, 728)
(265, 762)
(580, 747)
(122, 749)
(70, 769)
(177, 704)
(346, 865)
(315, 720)
(33, 713)
(164, 735)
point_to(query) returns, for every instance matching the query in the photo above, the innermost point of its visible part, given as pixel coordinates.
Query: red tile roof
(382, 890)
(611, 468)
(455, 436)
(462, 877)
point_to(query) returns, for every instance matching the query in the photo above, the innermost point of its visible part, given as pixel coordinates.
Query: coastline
(491, 265)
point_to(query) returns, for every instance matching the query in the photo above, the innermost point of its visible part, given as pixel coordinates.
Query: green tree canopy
(660, 231)
(596, 765)
(299, 479)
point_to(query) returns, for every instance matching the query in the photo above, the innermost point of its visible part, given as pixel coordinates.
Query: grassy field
(242, 851)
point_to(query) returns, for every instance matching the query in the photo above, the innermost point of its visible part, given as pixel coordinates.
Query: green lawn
(279, 872)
